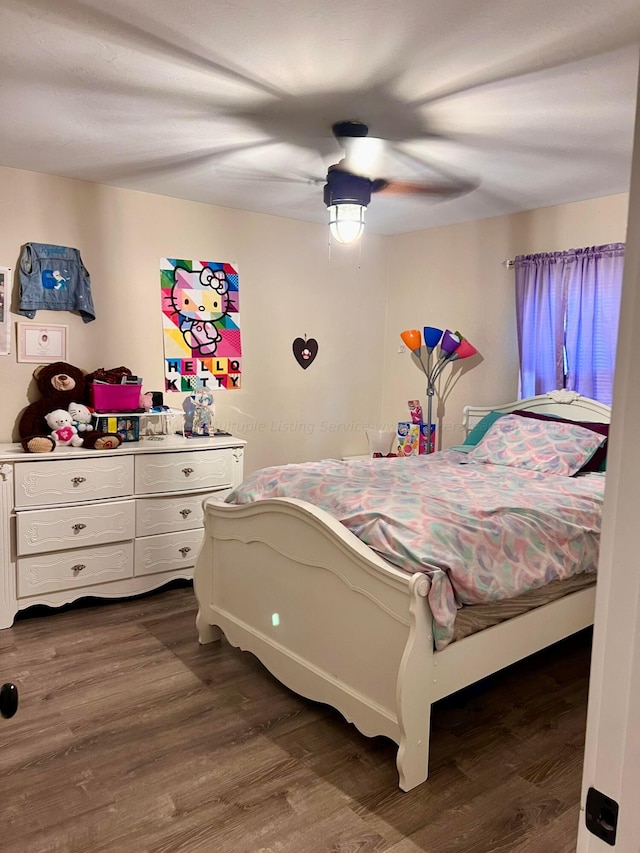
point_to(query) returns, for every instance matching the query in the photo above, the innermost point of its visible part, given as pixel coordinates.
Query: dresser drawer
(66, 481)
(41, 530)
(71, 569)
(171, 472)
(167, 551)
(170, 514)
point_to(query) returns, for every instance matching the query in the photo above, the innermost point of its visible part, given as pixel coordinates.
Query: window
(567, 309)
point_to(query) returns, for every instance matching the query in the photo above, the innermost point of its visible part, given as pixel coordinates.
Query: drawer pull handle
(185, 512)
(77, 480)
(184, 551)
(187, 471)
(78, 527)
(78, 568)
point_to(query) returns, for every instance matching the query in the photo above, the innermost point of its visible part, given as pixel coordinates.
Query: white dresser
(115, 523)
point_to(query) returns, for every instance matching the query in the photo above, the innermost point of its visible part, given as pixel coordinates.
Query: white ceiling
(232, 103)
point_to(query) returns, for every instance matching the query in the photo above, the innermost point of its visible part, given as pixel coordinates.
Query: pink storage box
(115, 398)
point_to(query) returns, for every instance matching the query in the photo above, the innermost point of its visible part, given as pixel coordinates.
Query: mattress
(470, 620)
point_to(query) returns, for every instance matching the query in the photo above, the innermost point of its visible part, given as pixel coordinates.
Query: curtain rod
(507, 264)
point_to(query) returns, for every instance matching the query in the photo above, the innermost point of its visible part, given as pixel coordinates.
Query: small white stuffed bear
(81, 417)
(62, 428)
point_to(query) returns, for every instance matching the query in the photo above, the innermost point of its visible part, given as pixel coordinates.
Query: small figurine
(202, 400)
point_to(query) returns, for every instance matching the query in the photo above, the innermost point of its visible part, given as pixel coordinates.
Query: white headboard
(566, 404)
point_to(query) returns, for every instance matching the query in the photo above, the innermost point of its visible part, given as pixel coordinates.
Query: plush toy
(62, 428)
(60, 384)
(81, 417)
(146, 401)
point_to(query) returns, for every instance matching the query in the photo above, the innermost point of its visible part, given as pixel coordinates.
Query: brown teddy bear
(60, 384)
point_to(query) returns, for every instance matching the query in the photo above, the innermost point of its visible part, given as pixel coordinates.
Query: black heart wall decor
(305, 351)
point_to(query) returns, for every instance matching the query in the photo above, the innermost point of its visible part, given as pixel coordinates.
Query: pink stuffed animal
(146, 401)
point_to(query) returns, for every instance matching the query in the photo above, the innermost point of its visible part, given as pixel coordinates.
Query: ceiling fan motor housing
(350, 129)
(345, 188)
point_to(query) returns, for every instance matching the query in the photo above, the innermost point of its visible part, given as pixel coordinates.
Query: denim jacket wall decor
(53, 278)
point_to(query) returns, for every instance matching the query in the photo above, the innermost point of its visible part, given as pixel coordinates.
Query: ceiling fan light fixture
(346, 221)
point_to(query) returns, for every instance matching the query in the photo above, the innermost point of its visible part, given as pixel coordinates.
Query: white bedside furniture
(106, 523)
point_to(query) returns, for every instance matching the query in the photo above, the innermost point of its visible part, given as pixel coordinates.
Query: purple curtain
(540, 302)
(594, 286)
(567, 307)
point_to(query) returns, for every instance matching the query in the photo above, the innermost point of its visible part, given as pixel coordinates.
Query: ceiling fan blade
(380, 185)
(238, 174)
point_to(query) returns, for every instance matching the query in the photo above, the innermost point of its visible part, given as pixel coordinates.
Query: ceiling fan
(351, 182)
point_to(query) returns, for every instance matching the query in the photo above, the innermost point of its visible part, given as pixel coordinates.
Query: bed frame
(338, 624)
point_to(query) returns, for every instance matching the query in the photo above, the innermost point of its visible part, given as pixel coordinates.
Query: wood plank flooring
(132, 738)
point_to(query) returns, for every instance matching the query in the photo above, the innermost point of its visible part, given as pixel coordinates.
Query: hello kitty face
(201, 294)
(79, 413)
(200, 298)
(200, 304)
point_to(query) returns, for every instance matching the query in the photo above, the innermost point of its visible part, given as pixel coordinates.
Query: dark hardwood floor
(132, 738)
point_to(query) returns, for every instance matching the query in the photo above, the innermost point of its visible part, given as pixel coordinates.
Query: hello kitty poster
(201, 324)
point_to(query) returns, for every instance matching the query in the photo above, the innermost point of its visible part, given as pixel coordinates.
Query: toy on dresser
(202, 400)
(81, 416)
(62, 429)
(48, 423)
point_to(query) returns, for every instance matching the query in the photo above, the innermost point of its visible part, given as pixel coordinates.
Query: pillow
(548, 446)
(598, 461)
(480, 429)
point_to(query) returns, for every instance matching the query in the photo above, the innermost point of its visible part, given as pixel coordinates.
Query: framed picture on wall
(41, 344)
(5, 299)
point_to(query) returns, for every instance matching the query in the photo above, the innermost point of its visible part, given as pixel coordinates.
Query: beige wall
(452, 277)
(289, 287)
(354, 300)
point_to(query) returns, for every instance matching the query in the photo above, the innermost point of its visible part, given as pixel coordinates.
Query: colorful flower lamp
(453, 346)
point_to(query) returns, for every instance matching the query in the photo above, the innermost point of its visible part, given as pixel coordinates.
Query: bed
(336, 622)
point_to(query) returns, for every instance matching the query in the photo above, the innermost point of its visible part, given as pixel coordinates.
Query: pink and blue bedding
(483, 532)
(553, 447)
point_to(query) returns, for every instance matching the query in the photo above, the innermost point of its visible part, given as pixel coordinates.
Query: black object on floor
(8, 700)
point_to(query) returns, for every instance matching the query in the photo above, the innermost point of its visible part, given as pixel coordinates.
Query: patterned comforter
(494, 532)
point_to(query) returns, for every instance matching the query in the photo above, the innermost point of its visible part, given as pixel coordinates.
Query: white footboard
(324, 614)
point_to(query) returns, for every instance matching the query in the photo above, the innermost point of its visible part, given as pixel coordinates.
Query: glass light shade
(431, 337)
(346, 221)
(411, 337)
(449, 343)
